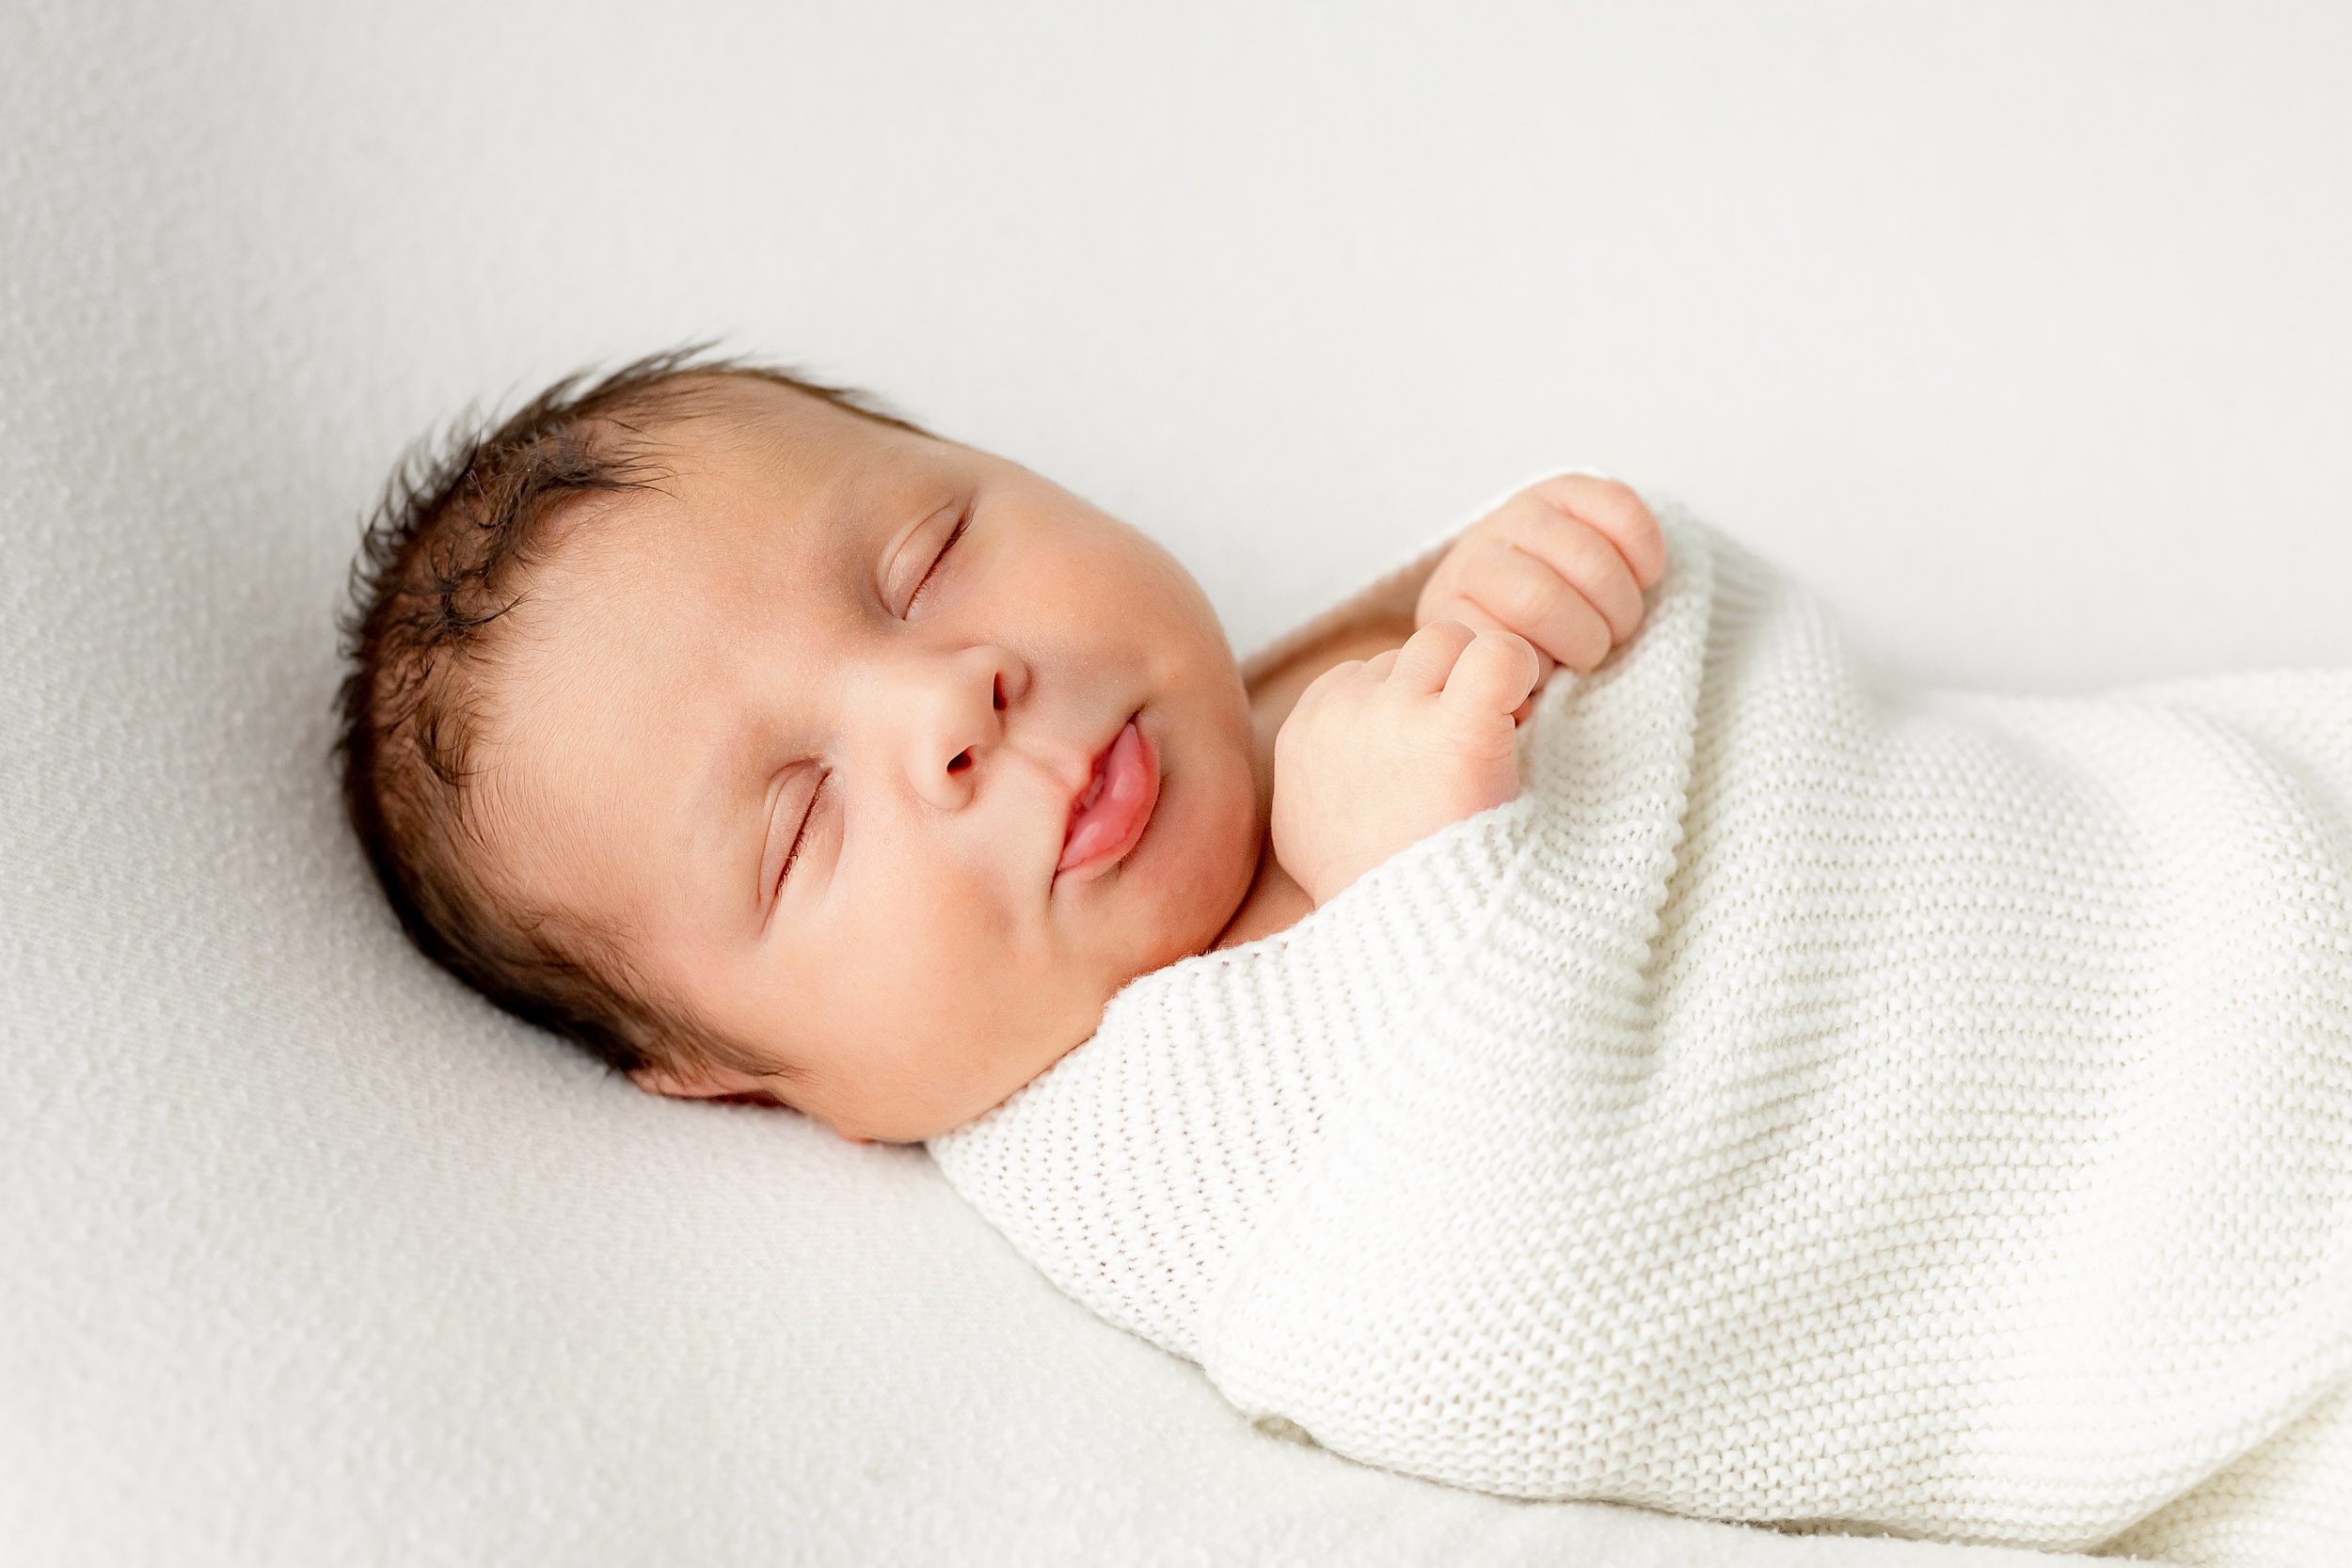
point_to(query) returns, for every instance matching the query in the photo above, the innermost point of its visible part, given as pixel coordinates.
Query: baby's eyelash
(963, 523)
(806, 818)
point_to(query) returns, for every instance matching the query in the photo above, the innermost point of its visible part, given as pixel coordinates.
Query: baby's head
(616, 658)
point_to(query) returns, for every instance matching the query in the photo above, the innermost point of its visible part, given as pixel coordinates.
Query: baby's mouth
(1110, 814)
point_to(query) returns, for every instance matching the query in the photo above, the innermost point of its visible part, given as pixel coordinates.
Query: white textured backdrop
(2019, 332)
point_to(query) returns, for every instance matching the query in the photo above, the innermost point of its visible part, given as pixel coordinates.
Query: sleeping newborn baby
(1710, 1076)
(777, 749)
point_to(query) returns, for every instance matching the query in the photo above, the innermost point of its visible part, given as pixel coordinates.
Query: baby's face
(787, 649)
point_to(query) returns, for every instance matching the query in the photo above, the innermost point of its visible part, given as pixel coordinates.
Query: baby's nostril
(961, 761)
(997, 688)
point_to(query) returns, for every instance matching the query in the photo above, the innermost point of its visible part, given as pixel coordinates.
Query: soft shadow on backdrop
(2017, 331)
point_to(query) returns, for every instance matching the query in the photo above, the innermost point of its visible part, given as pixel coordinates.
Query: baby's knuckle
(1318, 691)
(1598, 564)
(1602, 490)
(1525, 596)
(1622, 505)
(1591, 642)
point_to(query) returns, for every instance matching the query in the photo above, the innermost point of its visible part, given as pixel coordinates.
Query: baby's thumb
(1497, 674)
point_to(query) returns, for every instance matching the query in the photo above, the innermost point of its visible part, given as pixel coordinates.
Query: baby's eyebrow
(705, 817)
(719, 784)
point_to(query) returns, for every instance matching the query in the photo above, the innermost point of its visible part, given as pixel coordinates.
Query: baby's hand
(1563, 564)
(1379, 753)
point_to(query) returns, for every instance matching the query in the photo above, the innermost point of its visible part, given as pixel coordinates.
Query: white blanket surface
(1813, 1102)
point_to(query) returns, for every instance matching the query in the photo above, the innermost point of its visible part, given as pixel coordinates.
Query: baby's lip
(1095, 760)
(1095, 765)
(1093, 768)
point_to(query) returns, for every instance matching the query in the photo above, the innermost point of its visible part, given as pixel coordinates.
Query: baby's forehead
(630, 584)
(736, 419)
(549, 801)
(781, 452)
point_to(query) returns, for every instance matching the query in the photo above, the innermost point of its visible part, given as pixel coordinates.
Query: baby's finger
(1422, 665)
(1494, 674)
(1617, 511)
(1569, 632)
(1579, 555)
(1476, 618)
(1527, 596)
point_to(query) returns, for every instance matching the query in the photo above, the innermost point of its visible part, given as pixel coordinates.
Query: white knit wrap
(1814, 1101)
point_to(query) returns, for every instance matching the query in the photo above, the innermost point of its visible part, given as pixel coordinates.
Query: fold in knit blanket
(1814, 1101)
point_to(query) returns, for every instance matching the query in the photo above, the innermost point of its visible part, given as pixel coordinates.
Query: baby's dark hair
(459, 525)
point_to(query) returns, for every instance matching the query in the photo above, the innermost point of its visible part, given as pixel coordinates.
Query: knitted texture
(1813, 1102)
